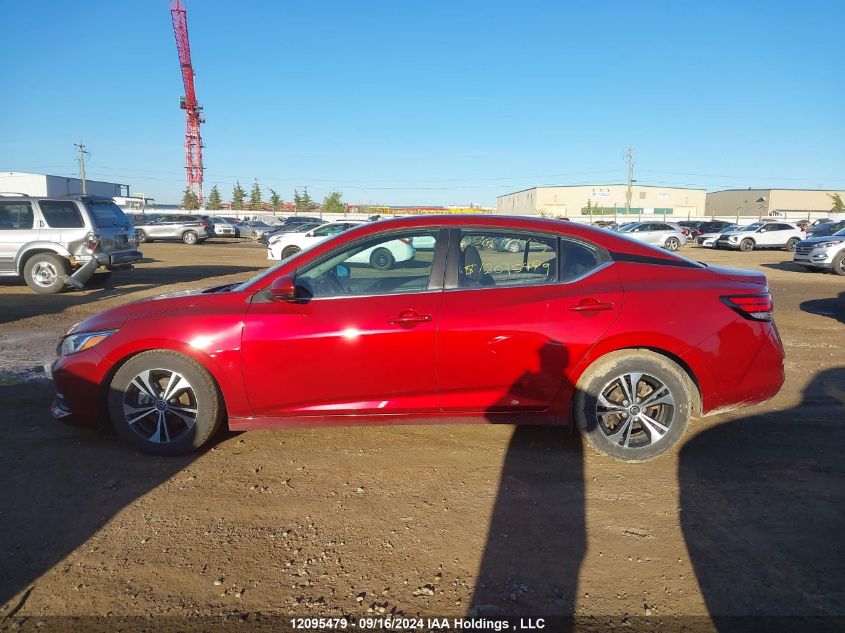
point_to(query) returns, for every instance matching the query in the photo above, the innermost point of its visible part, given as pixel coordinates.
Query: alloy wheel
(44, 274)
(160, 405)
(635, 410)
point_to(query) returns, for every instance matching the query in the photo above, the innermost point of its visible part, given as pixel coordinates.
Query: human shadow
(60, 486)
(833, 307)
(537, 536)
(763, 513)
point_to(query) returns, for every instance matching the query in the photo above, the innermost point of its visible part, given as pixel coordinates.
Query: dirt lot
(746, 518)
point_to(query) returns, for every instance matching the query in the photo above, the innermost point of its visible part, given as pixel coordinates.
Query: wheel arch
(39, 247)
(674, 357)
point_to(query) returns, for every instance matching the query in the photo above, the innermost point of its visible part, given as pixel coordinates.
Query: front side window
(61, 214)
(490, 259)
(378, 266)
(16, 216)
(332, 229)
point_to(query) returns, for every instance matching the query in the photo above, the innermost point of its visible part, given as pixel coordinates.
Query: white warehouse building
(583, 201)
(57, 186)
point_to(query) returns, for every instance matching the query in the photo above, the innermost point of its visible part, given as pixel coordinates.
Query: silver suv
(822, 253)
(664, 234)
(51, 242)
(191, 229)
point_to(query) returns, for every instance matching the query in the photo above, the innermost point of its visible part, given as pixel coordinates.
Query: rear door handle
(410, 316)
(592, 305)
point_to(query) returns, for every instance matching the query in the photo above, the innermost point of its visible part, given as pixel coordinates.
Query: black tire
(290, 251)
(838, 264)
(142, 236)
(46, 273)
(603, 377)
(382, 259)
(790, 245)
(746, 245)
(181, 437)
(672, 244)
(190, 238)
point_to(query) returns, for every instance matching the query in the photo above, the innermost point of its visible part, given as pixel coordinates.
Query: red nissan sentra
(491, 319)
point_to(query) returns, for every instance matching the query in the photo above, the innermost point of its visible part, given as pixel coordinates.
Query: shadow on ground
(833, 307)
(763, 512)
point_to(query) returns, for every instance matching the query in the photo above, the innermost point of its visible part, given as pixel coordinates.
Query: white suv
(51, 242)
(822, 253)
(761, 235)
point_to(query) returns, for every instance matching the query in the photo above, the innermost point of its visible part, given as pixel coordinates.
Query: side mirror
(761, 230)
(283, 288)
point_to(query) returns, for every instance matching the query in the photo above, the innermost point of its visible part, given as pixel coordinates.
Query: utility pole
(82, 154)
(629, 156)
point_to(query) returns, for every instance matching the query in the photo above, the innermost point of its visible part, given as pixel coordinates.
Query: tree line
(303, 203)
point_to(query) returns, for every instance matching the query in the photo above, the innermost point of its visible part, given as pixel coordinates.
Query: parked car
(286, 245)
(824, 252)
(715, 226)
(585, 345)
(709, 239)
(828, 228)
(663, 234)
(190, 229)
(290, 224)
(221, 227)
(692, 228)
(761, 235)
(254, 229)
(52, 243)
(291, 228)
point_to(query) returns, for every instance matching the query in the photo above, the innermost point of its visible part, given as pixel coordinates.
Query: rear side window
(187, 218)
(576, 260)
(61, 214)
(16, 216)
(490, 259)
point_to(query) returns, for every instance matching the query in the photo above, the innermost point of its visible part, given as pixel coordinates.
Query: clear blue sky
(430, 102)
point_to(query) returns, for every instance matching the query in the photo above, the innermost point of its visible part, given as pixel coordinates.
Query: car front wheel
(746, 246)
(290, 251)
(790, 245)
(633, 405)
(838, 264)
(164, 403)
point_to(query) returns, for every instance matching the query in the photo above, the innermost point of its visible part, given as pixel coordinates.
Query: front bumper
(80, 392)
(820, 259)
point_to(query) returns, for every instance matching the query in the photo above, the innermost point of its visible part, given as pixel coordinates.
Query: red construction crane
(193, 110)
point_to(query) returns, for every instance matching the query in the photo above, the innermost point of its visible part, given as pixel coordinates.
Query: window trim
(435, 279)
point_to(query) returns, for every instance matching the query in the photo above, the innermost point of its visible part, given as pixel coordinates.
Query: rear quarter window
(60, 214)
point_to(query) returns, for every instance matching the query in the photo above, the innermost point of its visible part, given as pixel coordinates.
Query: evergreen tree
(213, 201)
(238, 195)
(838, 205)
(255, 197)
(306, 200)
(332, 203)
(275, 200)
(189, 200)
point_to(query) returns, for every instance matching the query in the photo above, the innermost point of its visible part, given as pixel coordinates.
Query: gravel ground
(744, 518)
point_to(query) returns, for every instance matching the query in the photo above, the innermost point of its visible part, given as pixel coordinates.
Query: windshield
(728, 229)
(107, 213)
(752, 227)
(626, 228)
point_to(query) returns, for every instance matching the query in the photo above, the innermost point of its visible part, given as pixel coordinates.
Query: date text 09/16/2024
(418, 624)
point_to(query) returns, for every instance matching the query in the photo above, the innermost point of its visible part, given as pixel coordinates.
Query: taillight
(753, 307)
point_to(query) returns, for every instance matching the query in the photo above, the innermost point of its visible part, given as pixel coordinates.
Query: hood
(813, 239)
(739, 274)
(116, 317)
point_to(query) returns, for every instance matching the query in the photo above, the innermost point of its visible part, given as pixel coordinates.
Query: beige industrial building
(786, 203)
(583, 201)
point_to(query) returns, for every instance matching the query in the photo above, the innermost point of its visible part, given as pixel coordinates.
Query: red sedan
(577, 326)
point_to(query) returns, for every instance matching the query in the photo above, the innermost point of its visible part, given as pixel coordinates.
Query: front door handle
(592, 305)
(409, 316)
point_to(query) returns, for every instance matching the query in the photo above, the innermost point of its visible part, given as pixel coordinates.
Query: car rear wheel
(190, 238)
(790, 245)
(46, 273)
(633, 405)
(382, 259)
(838, 264)
(746, 245)
(164, 403)
(290, 251)
(673, 244)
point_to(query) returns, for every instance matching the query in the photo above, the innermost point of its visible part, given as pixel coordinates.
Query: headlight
(81, 341)
(829, 244)
(733, 238)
